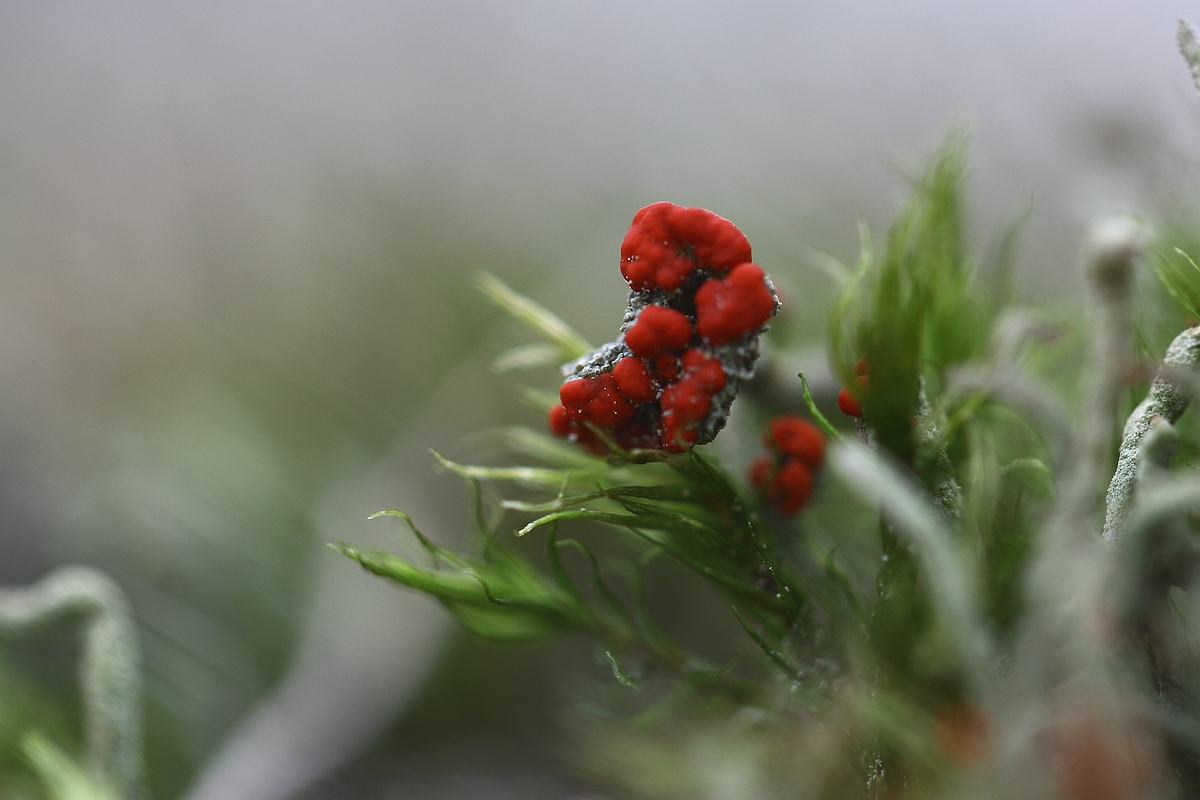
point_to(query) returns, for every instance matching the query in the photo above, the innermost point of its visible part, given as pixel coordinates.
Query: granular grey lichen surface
(1168, 399)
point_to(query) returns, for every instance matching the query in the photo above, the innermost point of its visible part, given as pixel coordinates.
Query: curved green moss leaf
(824, 424)
(540, 320)
(1180, 276)
(505, 600)
(620, 674)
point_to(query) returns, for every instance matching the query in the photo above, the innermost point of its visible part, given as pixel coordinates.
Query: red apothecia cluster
(786, 476)
(850, 398)
(697, 307)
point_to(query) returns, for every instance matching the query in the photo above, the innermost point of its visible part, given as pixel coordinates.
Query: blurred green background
(236, 242)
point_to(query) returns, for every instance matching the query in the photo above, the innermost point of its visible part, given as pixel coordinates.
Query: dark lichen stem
(1168, 398)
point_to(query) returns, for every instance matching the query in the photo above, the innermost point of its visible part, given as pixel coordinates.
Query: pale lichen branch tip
(1112, 249)
(1189, 48)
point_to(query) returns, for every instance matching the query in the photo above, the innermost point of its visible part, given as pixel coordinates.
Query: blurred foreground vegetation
(899, 647)
(945, 618)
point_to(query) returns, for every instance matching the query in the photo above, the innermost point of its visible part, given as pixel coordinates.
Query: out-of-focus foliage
(24, 708)
(109, 687)
(913, 309)
(62, 776)
(1181, 277)
(901, 622)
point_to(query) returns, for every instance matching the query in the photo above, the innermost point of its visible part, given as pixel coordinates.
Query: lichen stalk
(110, 665)
(1067, 578)
(1168, 398)
(1113, 247)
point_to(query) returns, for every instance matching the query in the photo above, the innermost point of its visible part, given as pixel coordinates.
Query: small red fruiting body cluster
(850, 398)
(666, 242)
(697, 307)
(786, 476)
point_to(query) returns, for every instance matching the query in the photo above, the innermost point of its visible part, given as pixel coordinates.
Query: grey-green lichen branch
(1113, 247)
(1189, 47)
(110, 665)
(1168, 398)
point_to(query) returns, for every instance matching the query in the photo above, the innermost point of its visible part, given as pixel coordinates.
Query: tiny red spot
(849, 399)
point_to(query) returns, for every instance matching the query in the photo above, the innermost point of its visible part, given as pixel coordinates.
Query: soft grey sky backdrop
(136, 133)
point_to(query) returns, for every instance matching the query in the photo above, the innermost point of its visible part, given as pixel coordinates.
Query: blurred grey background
(236, 241)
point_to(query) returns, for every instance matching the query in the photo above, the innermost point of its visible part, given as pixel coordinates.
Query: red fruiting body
(849, 399)
(634, 380)
(791, 487)
(597, 400)
(686, 403)
(562, 425)
(661, 386)
(849, 404)
(560, 420)
(794, 436)
(862, 367)
(704, 370)
(683, 405)
(658, 329)
(787, 477)
(666, 242)
(760, 470)
(729, 308)
(668, 367)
